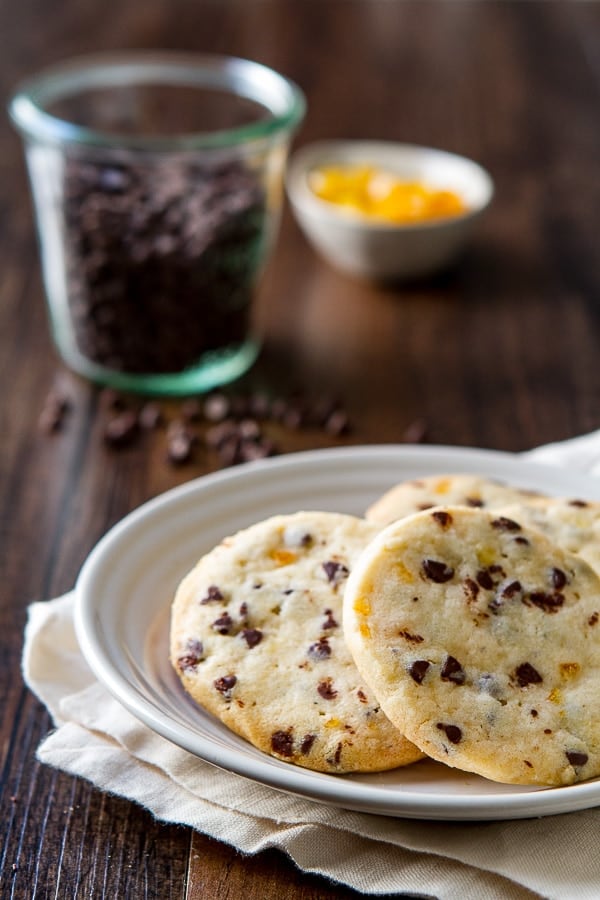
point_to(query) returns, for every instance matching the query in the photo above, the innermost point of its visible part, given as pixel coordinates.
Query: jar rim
(282, 98)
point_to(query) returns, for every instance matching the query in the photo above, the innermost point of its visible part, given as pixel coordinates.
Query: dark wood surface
(501, 352)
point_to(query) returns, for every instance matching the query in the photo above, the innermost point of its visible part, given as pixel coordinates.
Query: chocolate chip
(223, 624)
(121, 430)
(527, 674)
(474, 502)
(576, 757)
(485, 580)
(502, 523)
(593, 619)
(320, 650)
(282, 743)
(193, 656)
(335, 571)
(437, 571)
(418, 670)
(442, 517)
(471, 588)
(452, 671)
(306, 744)
(452, 732)
(362, 696)
(415, 432)
(329, 622)
(409, 636)
(252, 636)
(549, 603)
(512, 590)
(213, 595)
(579, 503)
(225, 684)
(558, 579)
(326, 690)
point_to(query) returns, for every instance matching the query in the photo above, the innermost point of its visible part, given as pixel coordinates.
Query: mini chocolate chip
(418, 670)
(549, 603)
(471, 588)
(534, 713)
(252, 636)
(329, 622)
(576, 757)
(213, 595)
(502, 523)
(225, 684)
(474, 502)
(558, 579)
(223, 624)
(437, 571)
(579, 503)
(307, 742)
(452, 671)
(593, 619)
(361, 696)
(521, 539)
(511, 590)
(282, 742)
(485, 580)
(121, 430)
(335, 571)
(326, 690)
(412, 638)
(526, 674)
(194, 655)
(320, 650)
(452, 732)
(442, 517)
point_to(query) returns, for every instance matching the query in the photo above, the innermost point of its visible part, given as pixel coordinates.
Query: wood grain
(499, 352)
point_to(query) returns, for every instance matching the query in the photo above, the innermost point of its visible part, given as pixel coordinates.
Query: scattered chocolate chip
(56, 406)
(418, 670)
(442, 517)
(452, 671)
(320, 650)
(502, 523)
(526, 674)
(437, 571)
(194, 654)
(452, 732)
(534, 713)
(576, 757)
(150, 416)
(362, 696)
(415, 432)
(593, 619)
(528, 764)
(485, 580)
(252, 636)
(121, 430)
(579, 503)
(225, 684)
(213, 595)
(521, 539)
(282, 743)
(326, 690)
(471, 588)
(512, 590)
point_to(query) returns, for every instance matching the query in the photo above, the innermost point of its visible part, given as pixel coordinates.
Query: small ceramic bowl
(376, 249)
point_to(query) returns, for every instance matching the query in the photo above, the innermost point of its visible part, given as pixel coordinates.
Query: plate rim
(284, 777)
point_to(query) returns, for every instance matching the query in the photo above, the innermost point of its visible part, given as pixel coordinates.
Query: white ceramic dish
(125, 587)
(380, 250)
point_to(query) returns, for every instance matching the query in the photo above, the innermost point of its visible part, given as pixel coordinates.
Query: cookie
(257, 639)
(444, 490)
(572, 524)
(481, 640)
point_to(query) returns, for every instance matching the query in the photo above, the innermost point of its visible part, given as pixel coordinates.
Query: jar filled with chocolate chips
(157, 187)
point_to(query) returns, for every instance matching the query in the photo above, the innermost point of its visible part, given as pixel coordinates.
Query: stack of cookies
(458, 620)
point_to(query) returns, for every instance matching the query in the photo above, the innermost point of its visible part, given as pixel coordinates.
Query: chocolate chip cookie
(257, 639)
(481, 640)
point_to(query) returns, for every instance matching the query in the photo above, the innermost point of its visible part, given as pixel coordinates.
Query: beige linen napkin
(96, 738)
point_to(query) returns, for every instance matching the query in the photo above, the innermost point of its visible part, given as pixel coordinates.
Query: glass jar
(157, 186)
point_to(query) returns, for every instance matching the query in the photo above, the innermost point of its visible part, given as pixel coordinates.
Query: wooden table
(501, 352)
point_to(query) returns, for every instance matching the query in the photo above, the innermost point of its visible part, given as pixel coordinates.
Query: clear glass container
(157, 186)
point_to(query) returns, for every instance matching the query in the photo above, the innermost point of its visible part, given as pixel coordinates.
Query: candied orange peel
(380, 194)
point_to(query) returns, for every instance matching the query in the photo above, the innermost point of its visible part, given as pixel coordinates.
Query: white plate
(126, 585)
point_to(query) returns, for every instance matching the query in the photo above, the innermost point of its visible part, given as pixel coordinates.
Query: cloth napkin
(555, 857)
